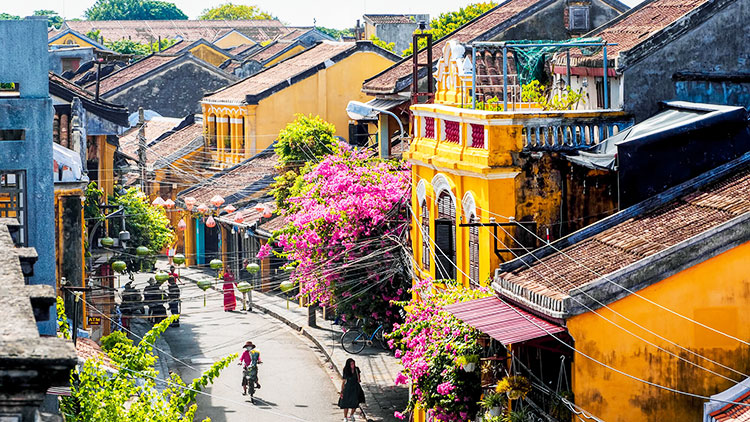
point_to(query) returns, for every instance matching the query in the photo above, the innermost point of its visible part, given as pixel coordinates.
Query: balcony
(477, 140)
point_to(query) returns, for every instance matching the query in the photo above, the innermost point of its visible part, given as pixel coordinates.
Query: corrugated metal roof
(501, 321)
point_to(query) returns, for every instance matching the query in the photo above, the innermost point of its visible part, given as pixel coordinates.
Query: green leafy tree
(148, 226)
(336, 33)
(450, 21)
(53, 19)
(133, 10)
(306, 139)
(8, 17)
(138, 49)
(391, 46)
(230, 11)
(98, 395)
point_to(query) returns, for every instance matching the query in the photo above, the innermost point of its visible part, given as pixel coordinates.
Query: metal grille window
(429, 127)
(579, 18)
(445, 238)
(425, 237)
(452, 131)
(474, 253)
(13, 199)
(477, 136)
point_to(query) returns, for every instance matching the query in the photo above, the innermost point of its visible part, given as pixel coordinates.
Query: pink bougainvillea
(346, 228)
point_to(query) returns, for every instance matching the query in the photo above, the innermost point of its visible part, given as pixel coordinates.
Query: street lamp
(358, 111)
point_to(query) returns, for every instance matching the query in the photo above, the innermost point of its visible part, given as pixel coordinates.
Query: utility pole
(142, 148)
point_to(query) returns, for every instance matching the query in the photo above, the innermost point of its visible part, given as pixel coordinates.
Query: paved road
(294, 384)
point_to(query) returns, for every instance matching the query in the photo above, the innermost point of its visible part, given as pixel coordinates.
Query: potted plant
(493, 402)
(514, 386)
(468, 362)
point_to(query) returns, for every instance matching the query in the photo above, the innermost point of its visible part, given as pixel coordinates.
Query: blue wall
(24, 59)
(714, 92)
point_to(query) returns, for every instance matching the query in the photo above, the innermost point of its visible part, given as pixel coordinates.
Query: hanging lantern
(178, 259)
(215, 264)
(204, 285)
(189, 202)
(210, 222)
(239, 219)
(182, 225)
(260, 207)
(169, 204)
(217, 200)
(267, 213)
(158, 202)
(230, 209)
(252, 268)
(119, 266)
(202, 208)
(107, 241)
(142, 251)
(161, 277)
(244, 286)
(286, 286)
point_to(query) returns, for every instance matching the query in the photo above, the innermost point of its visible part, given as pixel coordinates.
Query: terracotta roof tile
(135, 70)
(271, 50)
(281, 72)
(385, 82)
(164, 149)
(636, 239)
(634, 27)
(386, 19)
(250, 178)
(154, 129)
(189, 30)
(276, 222)
(87, 349)
(734, 412)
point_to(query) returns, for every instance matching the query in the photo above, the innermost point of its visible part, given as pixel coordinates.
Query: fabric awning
(503, 322)
(383, 104)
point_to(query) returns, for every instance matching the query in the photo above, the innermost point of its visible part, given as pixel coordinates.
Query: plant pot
(495, 411)
(469, 367)
(514, 394)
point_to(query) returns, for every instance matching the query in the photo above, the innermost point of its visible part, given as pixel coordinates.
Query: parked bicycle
(356, 338)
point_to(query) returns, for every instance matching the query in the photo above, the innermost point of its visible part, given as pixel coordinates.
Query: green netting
(530, 60)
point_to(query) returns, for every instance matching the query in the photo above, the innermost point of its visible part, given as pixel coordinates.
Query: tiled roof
(295, 33)
(271, 50)
(132, 72)
(276, 222)
(634, 27)
(189, 30)
(635, 239)
(283, 71)
(67, 90)
(230, 65)
(240, 50)
(174, 145)
(87, 349)
(734, 412)
(386, 81)
(154, 129)
(248, 179)
(75, 89)
(385, 19)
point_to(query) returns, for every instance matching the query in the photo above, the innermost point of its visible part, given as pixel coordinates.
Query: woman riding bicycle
(249, 360)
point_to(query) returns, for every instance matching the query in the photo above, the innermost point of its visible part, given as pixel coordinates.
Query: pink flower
(401, 379)
(399, 415)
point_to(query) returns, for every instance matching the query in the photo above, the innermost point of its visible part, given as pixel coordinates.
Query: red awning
(503, 322)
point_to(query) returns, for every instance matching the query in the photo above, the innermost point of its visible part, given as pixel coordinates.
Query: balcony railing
(466, 131)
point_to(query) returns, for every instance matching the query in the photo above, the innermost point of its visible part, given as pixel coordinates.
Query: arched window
(473, 251)
(445, 237)
(425, 236)
(212, 131)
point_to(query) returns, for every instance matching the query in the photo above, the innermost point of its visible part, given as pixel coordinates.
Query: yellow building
(245, 118)
(69, 37)
(650, 299)
(202, 49)
(473, 166)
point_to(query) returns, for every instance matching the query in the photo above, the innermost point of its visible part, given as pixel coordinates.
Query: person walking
(154, 298)
(351, 394)
(173, 292)
(230, 301)
(131, 303)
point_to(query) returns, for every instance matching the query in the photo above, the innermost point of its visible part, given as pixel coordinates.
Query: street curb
(295, 326)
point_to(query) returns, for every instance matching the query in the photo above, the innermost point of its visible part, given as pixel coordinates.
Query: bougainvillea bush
(431, 344)
(345, 234)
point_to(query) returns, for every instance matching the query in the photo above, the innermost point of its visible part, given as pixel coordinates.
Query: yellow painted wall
(715, 292)
(369, 30)
(325, 94)
(68, 39)
(234, 39)
(287, 54)
(209, 54)
(106, 165)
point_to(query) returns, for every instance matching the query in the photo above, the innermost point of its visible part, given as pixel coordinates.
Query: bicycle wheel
(353, 341)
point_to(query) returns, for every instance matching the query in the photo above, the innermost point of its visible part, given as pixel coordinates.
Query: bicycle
(354, 340)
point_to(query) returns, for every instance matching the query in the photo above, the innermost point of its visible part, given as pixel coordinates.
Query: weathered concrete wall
(24, 59)
(399, 33)
(727, 92)
(719, 44)
(56, 56)
(174, 92)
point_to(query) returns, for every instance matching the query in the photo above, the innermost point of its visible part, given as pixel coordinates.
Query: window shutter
(579, 18)
(445, 268)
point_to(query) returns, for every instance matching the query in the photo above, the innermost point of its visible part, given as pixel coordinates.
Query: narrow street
(295, 385)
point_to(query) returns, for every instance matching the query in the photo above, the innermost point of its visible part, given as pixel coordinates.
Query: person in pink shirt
(230, 302)
(249, 360)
